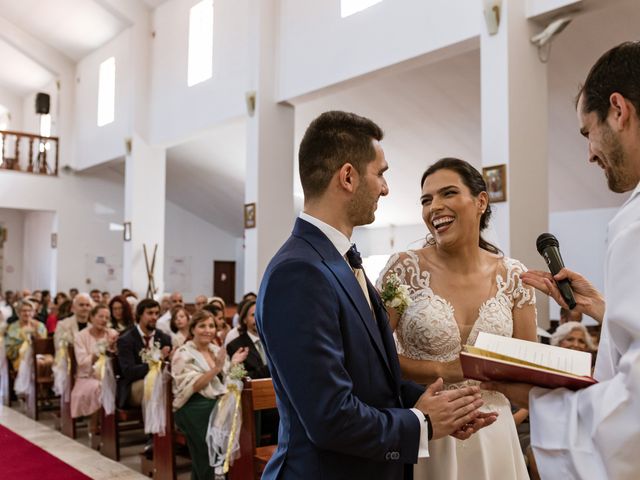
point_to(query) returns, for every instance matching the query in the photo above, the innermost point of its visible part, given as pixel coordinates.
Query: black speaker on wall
(42, 103)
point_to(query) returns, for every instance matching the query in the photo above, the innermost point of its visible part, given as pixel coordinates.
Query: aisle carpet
(22, 460)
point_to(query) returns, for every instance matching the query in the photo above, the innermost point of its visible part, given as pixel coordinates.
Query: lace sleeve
(387, 270)
(522, 294)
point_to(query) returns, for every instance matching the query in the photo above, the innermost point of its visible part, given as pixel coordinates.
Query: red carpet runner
(22, 460)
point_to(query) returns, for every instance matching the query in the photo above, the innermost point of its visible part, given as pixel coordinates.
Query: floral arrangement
(64, 339)
(237, 372)
(395, 294)
(101, 347)
(151, 355)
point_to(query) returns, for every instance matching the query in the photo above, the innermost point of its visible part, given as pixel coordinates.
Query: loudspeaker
(42, 103)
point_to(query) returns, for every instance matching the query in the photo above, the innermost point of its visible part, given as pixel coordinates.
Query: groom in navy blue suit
(345, 412)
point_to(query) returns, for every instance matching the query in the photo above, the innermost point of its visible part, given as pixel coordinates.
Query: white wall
(13, 222)
(318, 48)
(192, 245)
(13, 103)
(38, 256)
(95, 145)
(582, 235)
(178, 111)
(85, 206)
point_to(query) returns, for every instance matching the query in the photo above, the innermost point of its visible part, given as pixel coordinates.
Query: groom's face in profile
(371, 186)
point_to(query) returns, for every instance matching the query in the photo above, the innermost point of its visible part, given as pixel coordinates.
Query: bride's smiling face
(449, 210)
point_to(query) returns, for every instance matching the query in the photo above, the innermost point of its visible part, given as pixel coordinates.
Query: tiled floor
(77, 452)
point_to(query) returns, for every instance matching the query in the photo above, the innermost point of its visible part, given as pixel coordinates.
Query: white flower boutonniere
(395, 294)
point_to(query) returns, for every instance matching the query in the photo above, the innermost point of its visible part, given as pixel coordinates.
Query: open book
(498, 358)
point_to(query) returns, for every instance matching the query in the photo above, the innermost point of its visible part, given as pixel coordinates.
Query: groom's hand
(449, 410)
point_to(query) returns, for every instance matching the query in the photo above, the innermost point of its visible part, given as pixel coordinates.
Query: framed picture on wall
(496, 179)
(250, 215)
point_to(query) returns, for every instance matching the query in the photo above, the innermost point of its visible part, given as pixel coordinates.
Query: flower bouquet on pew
(62, 367)
(22, 385)
(103, 371)
(225, 421)
(4, 375)
(154, 397)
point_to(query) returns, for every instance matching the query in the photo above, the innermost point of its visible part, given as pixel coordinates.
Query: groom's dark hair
(333, 139)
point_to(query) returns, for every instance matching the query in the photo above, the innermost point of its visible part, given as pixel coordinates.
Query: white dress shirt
(343, 244)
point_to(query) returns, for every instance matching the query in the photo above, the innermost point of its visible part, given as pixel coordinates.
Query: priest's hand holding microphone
(569, 289)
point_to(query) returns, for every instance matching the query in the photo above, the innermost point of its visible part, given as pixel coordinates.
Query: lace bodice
(428, 330)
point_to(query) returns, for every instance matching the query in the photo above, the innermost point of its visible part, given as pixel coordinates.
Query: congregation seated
(179, 325)
(164, 320)
(198, 369)
(57, 311)
(91, 345)
(67, 329)
(25, 329)
(222, 327)
(256, 362)
(120, 311)
(573, 335)
(132, 368)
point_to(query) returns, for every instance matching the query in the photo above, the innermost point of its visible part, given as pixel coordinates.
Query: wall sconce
(54, 240)
(126, 233)
(492, 15)
(250, 99)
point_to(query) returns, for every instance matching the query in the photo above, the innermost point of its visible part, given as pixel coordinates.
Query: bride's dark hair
(476, 185)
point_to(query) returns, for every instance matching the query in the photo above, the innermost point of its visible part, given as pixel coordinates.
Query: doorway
(224, 281)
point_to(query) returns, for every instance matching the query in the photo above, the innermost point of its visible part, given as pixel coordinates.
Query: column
(144, 209)
(514, 132)
(270, 150)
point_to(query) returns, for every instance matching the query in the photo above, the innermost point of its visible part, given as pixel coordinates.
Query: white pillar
(514, 132)
(144, 208)
(270, 147)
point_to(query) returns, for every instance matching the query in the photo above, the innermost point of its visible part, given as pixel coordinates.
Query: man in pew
(130, 344)
(345, 412)
(594, 433)
(67, 328)
(132, 370)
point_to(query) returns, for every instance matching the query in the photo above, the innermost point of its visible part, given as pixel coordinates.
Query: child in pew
(198, 369)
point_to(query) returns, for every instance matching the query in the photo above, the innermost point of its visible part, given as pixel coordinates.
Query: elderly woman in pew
(198, 369)
(91, 347)
(25, 329)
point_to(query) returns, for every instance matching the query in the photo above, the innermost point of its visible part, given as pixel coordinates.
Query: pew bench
(257, 395)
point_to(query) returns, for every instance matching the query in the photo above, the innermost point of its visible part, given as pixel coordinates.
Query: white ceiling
(24, 75)
(73, 27)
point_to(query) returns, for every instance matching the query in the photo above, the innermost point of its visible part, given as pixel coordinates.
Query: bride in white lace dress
(460, 285)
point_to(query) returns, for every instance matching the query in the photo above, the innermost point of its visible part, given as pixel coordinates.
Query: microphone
(549, 248)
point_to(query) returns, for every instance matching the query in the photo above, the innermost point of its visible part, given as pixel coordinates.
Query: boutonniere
(395, 294)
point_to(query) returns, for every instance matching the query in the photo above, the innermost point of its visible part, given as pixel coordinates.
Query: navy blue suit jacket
(343, 406)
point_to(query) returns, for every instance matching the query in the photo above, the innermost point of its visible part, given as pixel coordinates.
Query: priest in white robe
(595, 433)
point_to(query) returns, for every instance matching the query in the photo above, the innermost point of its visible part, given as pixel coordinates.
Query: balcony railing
(41, 153)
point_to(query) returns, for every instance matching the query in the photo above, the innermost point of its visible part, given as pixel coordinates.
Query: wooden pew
(121, 420)
(256, 395)
(164, 452)
(41, 346)
(67, 423)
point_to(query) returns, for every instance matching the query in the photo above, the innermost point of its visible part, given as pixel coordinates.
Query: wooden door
(224, 281)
